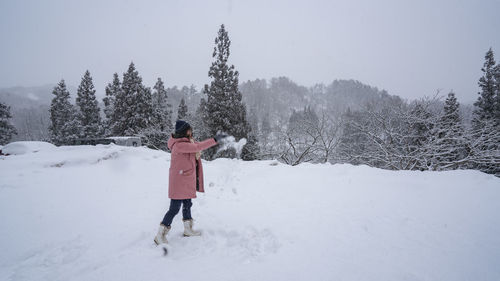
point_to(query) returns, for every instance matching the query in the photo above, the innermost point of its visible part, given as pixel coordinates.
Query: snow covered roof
(123, 137)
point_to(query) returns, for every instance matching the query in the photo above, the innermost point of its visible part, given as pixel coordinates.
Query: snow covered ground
(90, 213)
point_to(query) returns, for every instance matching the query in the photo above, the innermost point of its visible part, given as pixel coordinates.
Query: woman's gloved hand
(220, 137)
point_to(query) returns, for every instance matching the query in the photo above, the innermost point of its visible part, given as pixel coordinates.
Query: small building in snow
(126, 141)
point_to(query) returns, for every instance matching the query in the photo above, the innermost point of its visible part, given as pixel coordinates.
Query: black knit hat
(181, 126)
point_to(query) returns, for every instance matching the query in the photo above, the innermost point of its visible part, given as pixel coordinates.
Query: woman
(185, 177)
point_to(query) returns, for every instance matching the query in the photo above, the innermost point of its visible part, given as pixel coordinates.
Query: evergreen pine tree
(485, 104)
(6, 128)
(224, 108)
(496, 76)
(112, 90)
(198, 121)
(162, 109)
(421, 134)
(133, 109)
(420, 125)
(182, 111)
(484, 138)
(71, 129)
(161, 122)
(450, 142)
(64, 125)
(88, 109)
(251, 149)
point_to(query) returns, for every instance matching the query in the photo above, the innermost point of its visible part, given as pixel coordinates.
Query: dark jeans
(175, 206)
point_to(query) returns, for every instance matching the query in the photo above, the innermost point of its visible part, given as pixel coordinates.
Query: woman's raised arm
(188, 147)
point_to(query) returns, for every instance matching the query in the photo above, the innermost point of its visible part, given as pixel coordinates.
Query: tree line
(133, 109)
(343, 122)
(425, 134)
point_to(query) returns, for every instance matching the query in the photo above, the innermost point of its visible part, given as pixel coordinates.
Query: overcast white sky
(410, 48)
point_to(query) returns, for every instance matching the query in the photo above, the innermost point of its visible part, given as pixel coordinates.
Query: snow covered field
(90, 213)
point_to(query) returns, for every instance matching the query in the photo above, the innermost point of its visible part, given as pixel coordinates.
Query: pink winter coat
(182, 174)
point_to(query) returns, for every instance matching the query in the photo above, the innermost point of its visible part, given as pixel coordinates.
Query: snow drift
(90, 213)
(23, 147)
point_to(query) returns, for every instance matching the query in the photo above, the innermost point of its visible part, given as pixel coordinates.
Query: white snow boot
(161, 236)
(188, 229)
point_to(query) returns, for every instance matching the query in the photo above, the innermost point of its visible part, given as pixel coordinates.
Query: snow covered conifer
(198, 118)
(224, 107)
(133, 108)
(422, 125)
(450, 146)
(6, 128)
(486, 102)
(161, 122)
(64, 125)
(88, 109)
(182, 111)
(496, 75)
(112, 90)
(72, 129)
(451, 113)
(162, 109)
(421, 133)
(251, 150)
(484, 138)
